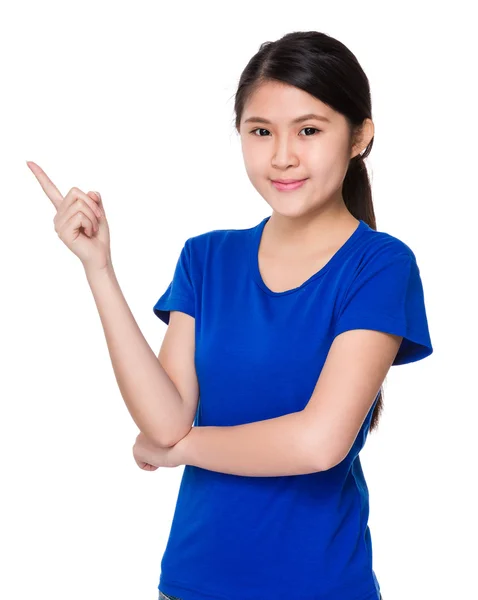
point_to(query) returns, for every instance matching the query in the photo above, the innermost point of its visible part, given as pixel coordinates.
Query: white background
(136, 100)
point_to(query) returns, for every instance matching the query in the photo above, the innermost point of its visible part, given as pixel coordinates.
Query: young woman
(279, 339)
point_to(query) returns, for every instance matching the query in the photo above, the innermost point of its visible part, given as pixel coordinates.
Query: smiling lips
(287, 180)
(288, 184)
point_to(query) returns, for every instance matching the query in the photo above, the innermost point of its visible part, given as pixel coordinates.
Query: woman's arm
(268, 448)
(150, 396)
(314, 439)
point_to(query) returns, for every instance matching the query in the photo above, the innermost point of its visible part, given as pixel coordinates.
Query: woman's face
(281, 149)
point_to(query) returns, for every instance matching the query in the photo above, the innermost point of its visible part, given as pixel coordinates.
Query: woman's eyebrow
(293, 122)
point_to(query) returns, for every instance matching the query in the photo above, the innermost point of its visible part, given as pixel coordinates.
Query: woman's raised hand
(80, 221)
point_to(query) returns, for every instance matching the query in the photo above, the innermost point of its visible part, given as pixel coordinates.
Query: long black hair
(325, 68)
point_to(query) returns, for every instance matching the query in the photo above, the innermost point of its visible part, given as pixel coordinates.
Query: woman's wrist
(93, 270)
(182, 449)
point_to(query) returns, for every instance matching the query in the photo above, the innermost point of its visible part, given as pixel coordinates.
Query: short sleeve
(180, 293)
(389, 297)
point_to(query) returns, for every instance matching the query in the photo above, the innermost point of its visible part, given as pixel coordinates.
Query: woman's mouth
(288, 186)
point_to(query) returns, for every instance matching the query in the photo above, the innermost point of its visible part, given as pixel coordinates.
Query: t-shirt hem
(172, 588)
(176, 302)
(392, 325)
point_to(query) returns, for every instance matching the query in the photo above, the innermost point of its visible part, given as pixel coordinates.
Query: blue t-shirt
(258, 356)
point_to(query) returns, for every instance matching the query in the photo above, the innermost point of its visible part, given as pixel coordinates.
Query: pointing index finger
(47, 184)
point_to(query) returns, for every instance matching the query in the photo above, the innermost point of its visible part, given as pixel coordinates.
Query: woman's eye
(262, 129)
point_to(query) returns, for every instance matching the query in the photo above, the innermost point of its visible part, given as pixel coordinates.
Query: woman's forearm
(270, 448)
(151, 397)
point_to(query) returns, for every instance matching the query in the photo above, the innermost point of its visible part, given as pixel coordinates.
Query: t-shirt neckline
(254, 257)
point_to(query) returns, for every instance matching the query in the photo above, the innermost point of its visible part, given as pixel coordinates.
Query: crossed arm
(314, 439)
